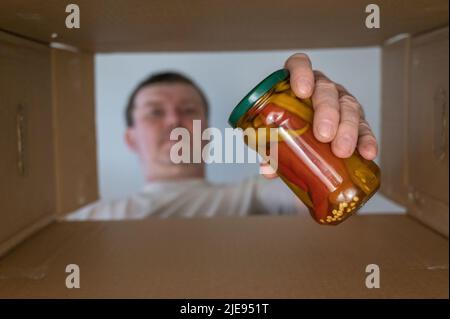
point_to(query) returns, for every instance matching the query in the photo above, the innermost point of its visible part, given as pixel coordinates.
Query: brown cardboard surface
(27, 180)
(414, 135)
(428, 121)
(394, 120)
(256, 257)
(133, 25)
(264, 257)
(74, 129)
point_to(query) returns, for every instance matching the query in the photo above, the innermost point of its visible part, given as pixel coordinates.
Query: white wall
(226, 77)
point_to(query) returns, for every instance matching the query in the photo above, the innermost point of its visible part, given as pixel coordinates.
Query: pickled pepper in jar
(332, 188)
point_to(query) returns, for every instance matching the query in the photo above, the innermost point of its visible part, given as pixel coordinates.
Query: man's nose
(172, 119)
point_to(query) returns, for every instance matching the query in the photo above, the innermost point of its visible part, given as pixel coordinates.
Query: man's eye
(190, 111)
(155, 113)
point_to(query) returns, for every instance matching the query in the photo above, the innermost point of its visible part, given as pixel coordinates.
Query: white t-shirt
(197, 198)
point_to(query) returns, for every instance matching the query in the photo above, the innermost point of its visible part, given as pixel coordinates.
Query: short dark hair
(163, 77)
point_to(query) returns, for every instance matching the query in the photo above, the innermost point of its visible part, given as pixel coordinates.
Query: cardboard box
(27, 187)
(256, 257)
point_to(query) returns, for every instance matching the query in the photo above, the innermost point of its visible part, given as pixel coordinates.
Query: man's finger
(367, 143)
(301, 75)
(267, 171)
(326, 109)
(347, 134)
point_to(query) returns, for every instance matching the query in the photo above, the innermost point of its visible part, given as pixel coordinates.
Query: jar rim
(255, 94)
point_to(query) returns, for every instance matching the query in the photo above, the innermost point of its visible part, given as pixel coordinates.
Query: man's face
(158, 109)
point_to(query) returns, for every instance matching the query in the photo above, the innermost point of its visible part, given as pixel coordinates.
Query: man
(169, 100)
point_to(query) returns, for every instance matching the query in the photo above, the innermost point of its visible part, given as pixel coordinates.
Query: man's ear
(130, 139)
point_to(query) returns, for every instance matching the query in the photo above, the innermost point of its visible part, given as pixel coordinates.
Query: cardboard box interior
(260, 257)
(46, 91)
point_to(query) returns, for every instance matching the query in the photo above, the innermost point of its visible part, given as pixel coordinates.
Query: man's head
(156, 106)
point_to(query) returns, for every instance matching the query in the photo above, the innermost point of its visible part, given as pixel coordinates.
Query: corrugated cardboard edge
(435, 216)
(394, 118)
(12, 242)
(76, 176)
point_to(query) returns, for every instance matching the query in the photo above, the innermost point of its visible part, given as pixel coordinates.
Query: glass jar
(332, 188)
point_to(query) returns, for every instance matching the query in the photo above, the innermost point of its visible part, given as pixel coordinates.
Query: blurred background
(225, 77)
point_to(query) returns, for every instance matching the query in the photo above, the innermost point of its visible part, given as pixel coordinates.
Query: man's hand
(338, 116)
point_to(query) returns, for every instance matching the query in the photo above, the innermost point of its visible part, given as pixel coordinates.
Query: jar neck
(260, 103)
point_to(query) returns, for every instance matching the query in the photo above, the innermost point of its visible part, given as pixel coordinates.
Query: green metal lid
(254, 95)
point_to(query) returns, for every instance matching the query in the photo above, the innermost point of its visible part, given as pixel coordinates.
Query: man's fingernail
(370, 151)
(344, 144)
(304, 87)
(325, 130)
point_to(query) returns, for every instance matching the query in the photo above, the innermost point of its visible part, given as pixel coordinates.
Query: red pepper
(296, 165)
